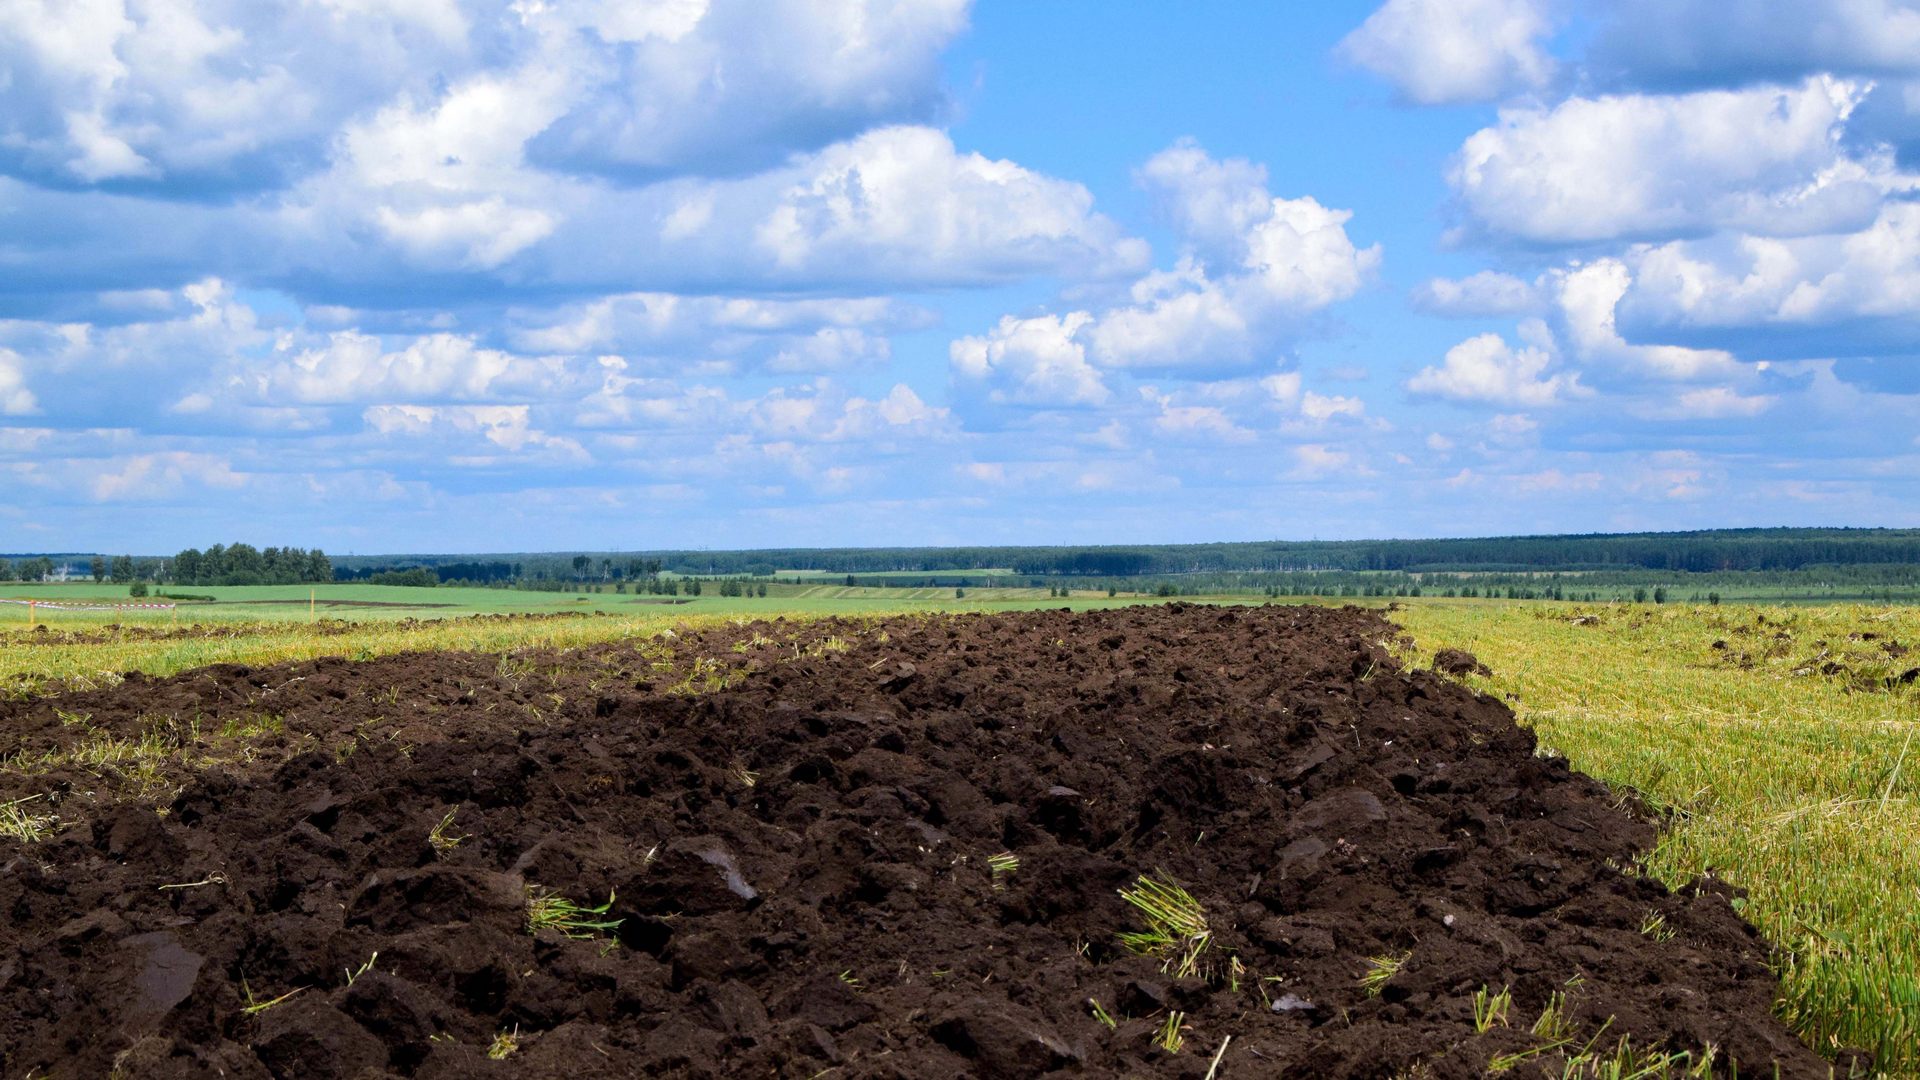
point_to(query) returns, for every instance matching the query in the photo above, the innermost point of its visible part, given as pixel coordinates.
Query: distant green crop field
(376, 602)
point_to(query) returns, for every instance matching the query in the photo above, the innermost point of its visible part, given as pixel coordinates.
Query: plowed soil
(794, 822)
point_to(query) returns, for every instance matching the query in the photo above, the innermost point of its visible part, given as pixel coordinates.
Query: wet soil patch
(889, 848)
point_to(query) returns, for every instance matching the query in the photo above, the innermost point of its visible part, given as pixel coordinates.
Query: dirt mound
(1459, 662)
(890, 849)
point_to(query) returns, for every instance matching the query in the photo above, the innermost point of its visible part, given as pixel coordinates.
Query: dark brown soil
(795, 821)
(1459, 662)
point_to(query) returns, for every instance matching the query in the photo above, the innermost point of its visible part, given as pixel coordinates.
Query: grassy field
(257, 603)
(1786, 765)
(1797, 785)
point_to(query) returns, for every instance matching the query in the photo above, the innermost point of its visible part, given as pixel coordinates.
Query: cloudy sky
(465, 275)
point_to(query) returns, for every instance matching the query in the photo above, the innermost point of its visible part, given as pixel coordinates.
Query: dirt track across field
(805, 830)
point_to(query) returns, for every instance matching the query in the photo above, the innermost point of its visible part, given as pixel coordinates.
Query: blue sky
(442, 275)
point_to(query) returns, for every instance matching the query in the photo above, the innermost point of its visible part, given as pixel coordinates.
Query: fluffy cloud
(15, 398)
(250, 94)
(1253, 271)
(1488, 292)
(141, 477)
(1486, 368)
(1740, 42)
(1588, 298)
(1316, 461)
(1766, 160)
(1255, 265)
(450, 148)
(729, 332)
(353, 367)
(905, 198)
(1440, 52)
(1447, 51)
(727, 86)
(503, 427)
(1036, 361)
(825, 415)
(1206, 423)
(893, 207)
(1852, 291)
(833, 348)
(1320, 408)
(1709, 403)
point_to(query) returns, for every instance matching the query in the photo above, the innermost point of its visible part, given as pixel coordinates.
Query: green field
(1784, 759)
(246, 603)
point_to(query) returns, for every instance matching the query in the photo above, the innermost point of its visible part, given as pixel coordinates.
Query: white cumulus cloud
(251, 94)
(1854, 289)
(1440, 52)
(1034, 361)
(1486, 368)
(1254, 270)
(1767, 160)
(15, 398)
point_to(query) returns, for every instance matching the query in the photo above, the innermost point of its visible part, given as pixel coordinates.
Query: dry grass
(1790, 782)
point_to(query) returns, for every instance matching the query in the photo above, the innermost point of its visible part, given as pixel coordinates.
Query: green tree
(122, 569)
(213, 565)
(245, 566)
(1660, 594)
(98, 568)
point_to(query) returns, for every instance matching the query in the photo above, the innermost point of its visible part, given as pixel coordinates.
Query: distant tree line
(244, 564)
(1689, 552)
(34, 569)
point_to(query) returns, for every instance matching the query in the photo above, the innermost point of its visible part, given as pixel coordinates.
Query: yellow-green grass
(30, 666)
(1792, 786)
